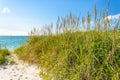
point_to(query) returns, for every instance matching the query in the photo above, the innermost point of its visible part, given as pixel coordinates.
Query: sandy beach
(18, 70)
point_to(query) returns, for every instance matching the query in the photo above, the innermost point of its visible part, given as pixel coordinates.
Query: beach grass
(76, 51)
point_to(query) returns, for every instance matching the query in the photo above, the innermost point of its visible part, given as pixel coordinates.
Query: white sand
(19, 70)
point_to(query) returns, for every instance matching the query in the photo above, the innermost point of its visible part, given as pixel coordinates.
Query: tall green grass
(75, 51)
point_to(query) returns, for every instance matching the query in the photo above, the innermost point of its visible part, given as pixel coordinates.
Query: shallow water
(12, 42)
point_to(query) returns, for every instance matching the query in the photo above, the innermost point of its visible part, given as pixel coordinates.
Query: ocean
(13, 42)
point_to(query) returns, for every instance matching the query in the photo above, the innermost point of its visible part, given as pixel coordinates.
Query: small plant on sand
(3, 54)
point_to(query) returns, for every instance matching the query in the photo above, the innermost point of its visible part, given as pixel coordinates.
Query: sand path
(17, 70)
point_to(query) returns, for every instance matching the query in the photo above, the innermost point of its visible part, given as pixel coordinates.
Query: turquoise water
(12, 42)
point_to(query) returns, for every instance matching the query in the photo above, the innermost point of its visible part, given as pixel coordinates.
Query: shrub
(3, 54)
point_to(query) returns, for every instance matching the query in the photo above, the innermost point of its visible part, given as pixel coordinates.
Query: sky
(18, 17)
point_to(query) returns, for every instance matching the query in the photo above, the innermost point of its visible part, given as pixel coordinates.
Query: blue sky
(18, 17)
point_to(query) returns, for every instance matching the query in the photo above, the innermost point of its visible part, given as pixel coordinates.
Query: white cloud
(117, 16)
(5, 10)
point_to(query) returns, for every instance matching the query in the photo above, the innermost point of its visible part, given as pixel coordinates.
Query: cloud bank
(6, 32)
(5, 10)
(117, 16)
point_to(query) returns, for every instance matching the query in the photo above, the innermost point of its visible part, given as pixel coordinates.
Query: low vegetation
(3, 54)
(78, 50)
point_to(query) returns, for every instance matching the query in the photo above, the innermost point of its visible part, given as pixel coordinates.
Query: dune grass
(75, 51)
(3, 54)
